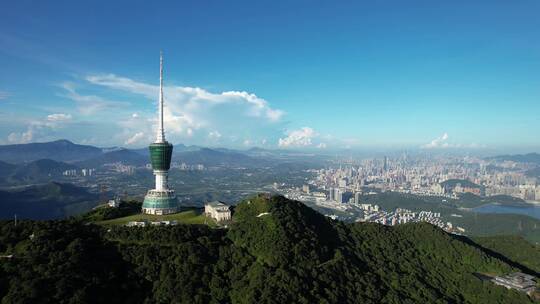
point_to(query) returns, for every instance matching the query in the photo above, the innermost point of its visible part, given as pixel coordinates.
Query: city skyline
(436, 77)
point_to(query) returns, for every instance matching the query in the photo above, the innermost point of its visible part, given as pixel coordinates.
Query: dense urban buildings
(437, 176)
(447, 178)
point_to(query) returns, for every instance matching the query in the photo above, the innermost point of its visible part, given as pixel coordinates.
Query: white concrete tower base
(161, 180)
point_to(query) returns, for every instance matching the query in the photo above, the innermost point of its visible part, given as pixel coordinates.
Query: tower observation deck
(160, 200)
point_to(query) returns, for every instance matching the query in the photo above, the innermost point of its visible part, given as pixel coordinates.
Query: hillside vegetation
(276, 251)
(514, 248)
(452, 183)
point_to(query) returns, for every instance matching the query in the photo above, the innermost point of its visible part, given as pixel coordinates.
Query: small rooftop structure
(517, 280)
(164, 223)
(145, 223)
(136, 224)
(115, 203)
(218, 211)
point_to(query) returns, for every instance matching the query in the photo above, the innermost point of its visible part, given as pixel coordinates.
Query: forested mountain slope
(276, 251)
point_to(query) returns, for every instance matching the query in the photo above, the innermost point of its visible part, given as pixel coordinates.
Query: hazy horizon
(340, 152)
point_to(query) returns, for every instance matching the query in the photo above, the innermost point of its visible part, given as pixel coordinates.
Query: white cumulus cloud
(89, 104)
(13, 137)
(439, 142)
(190, 97)
(58, 117)
(442, 142)
(214, 135)
(298, 138)
(195, 112)
(135, 138)
(40, 129)
(23, 137)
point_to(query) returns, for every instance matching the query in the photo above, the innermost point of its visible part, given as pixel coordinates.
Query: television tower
(160, 200)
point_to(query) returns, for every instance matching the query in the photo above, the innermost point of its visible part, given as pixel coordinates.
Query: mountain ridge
(32, 172)
(59, 150)
(89, 156)
(50, 200)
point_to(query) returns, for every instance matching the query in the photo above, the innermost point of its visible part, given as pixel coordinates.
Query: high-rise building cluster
(343, 187)
(437, 176)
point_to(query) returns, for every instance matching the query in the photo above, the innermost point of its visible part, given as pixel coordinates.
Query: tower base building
(160, 202)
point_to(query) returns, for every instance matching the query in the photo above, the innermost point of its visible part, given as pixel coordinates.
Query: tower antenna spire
(161, 131)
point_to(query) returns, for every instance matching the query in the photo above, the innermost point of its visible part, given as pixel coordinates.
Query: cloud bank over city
(37, 129)
(443, 142)
(439, 142)
(236, 118)
(191, 114)
(301, 138)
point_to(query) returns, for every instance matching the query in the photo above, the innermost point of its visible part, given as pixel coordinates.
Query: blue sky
(291, 74)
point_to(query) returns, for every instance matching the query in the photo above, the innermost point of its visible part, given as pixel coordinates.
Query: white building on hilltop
(218, 211)
(114, 203)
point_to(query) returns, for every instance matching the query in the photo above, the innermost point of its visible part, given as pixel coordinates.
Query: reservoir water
(533, 210)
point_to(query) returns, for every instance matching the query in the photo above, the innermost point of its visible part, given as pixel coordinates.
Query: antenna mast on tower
(161, 132)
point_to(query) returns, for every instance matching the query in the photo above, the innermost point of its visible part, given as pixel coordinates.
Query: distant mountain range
(189, 155)
(41, 168)
(60, 150)
(35, 171)
(128, 157)
(211, 157)
(6, 169)
(85, 156)
(46, 201)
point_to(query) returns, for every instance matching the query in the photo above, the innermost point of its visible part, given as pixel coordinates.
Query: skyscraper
(339, 196)
(357, 196)
(160, 200)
